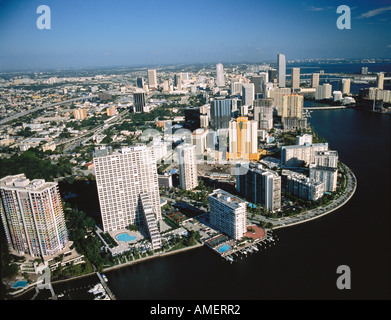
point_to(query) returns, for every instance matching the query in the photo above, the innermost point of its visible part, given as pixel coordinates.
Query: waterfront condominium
(220, 82)
(281, 66)
(228, 213)
(187, 162)
(259, 185)
(152, 80)
(121, 176)
(32, 216)
(301, 155)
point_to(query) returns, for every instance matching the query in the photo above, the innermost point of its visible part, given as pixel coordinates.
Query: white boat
(95, 288)
(105, 278)
(244, 251)
(230, 258)
(60, 295)
(249, 250)
(255, 248)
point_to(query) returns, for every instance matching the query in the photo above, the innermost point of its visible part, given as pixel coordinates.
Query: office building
(220, 113)
(295, 83)
(299, 156)
(259, 185)
(140, 82)
(228, 213)
(259, 82)
(32, 216)
(315, 80)
(220, 81)
(243, 140)
(192, 118)
(272, 75)
(326, 175)
(281, 66)
(187, 162)
(263, 113)
(301, 186)
(236, 88)
(139, 101)
(152, 79)
(178, 81)
(248, 94)
(121, 176)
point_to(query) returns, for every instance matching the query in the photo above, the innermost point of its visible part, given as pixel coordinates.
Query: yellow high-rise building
(243, 140)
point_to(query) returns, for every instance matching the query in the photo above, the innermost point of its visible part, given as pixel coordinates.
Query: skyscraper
(248, 94)
(281, 66)
(140, 82)
(220, 82)
(220, 113)
(121, 176)
(32, 216)
(152, 80)
(138, 101)
(345, 86)
(277, 94)
(315, 80)
(380, 81)
(243, 139)
(263, 113)
(292, 106)
(295, 78)
(323, 91)
(259, 186)
(187, 163)
(228, 213)
(178, 81)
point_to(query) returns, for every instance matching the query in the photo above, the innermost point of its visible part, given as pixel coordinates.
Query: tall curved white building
(220, 82)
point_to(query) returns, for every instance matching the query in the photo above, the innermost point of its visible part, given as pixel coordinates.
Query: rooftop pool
(124, 237)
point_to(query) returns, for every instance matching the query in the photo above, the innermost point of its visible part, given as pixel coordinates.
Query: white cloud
(374, 12)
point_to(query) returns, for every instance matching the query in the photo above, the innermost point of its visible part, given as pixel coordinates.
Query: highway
(45, 106)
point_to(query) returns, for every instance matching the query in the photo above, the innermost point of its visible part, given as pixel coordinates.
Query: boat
(60, 295)
(105, 278)
(230, 258)
(249, 250)
(255, 248)
(244, 251)
(95, 288)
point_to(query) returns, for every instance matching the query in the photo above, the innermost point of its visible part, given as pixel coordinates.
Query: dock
(106, 287)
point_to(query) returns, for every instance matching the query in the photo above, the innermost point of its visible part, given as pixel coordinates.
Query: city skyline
(103, 34)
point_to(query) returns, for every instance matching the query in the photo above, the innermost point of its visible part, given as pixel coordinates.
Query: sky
(103, 33)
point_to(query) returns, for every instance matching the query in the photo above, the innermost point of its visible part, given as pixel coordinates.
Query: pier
(326, 108)
(106, 287)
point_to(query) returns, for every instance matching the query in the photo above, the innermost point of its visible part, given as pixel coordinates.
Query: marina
(232, 250)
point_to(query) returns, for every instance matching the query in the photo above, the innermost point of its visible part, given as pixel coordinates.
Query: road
(45, 106)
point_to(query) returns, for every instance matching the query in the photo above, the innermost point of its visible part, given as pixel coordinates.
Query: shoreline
(350, 172)
(198, 245)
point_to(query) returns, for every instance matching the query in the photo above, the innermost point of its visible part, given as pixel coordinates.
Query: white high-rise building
(380, 81)
(327, 175)
(152, 80)
(295, 78)
(315, 80)
(228, 213)
(303, 139)
(32, 216)
(187, 162)
(248, 94)
(281, 66)
(345, 86)
(220, 82)
(121, 177)
(299, 156)
(323, 91)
